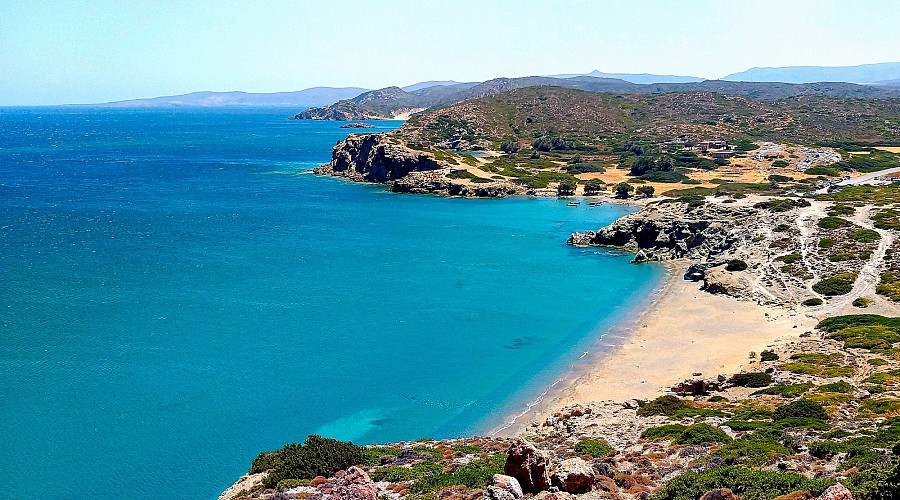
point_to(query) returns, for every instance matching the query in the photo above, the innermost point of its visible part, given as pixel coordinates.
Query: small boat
(596, 203)
(573, 203)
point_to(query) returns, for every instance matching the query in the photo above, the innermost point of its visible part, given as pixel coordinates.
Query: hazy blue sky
(76, 51)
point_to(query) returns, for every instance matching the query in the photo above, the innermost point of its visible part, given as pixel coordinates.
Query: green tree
(565, 187)
(624, 189)
(646, 190)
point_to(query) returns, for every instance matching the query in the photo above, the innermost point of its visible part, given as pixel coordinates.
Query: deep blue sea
(178, 294)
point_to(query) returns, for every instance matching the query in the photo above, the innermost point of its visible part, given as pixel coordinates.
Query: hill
(392, 101)
(593, 119)
(316, 96)
(864, 73)
(636, 77)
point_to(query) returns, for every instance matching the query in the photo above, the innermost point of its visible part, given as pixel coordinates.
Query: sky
(90, 51)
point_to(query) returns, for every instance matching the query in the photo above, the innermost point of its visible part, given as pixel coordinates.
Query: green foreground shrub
(593, 447)
(803, 408)
(749, 484)
(317, 456)
(839, 284)
(754, 379)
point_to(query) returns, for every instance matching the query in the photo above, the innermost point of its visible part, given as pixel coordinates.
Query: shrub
(862, 302)
(663, 431)
(839, 210)
(701, 433)
(736, 265)
(754, 379)
(780, 164)
(839, 284)
(646, 191)
(317, 456)
(593, 447)
(815, 301)
(768, 355)
(800, 408)
(782, 204)
(820, 170)
(790, 258)
(826, 243)
(830, 222)
(865, 235)
(623, 189)
(756, 448)
(788, 391)
(663, 405)
(841, 387)
(474, 474)
(880, 406)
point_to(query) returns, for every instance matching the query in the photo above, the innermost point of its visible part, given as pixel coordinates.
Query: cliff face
(377, 158)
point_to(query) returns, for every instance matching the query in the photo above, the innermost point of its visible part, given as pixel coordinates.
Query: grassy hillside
(602, 119)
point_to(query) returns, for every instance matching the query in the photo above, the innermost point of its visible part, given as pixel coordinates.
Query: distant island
(768, 367)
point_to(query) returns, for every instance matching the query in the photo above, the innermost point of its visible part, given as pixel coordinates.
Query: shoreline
(681, 331)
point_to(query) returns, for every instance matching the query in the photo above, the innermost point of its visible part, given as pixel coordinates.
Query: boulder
(720, 494)
(796, 495)
(573, 475)
(504, 487)
(529, 465)
(836, 492)
(356, 485)
(696, 387)
(553, 495)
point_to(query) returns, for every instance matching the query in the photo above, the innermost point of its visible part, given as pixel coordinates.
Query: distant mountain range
(316, 96)
(394, 102)
(864, 73)
(637, 77)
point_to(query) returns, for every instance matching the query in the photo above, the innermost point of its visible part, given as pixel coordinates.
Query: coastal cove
(181, 294)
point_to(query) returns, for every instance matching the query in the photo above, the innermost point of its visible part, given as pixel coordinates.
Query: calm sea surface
(178, 295)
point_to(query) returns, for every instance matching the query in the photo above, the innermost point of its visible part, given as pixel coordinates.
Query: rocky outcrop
(504, 487)
(574, 475)
(720, 494)
(386, 159)
(377, 158)
(355, 485)
(671, 231)
(530, 466)
(836, 492)
(438, 183)
(357, 125)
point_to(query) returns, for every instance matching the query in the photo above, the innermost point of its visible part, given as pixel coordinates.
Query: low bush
(317, 456)
(754, 379)
(840, 387)
(812, 302)
(803, 408)
(687, 435)
(865, 235)
(839, 284)
(736, 265)
(663, 405)
(756, 448)
(830, 222)
(788, 391)
(593, 447)
(768, 355)
(782, 204)
(474, 474)
(862, 302)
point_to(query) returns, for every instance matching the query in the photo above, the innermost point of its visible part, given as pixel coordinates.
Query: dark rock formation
(377, 158)
(357, 125)
(529, 465)
(696, 387)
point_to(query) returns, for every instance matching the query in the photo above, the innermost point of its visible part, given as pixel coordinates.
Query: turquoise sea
(178, 295)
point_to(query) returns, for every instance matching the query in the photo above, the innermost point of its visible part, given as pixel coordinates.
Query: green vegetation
(889, 286)
(829, 222)
(873, 162)
(865, 235)
(862, 195)
(888, 218)
(623, 189)
(755, 379)
(824, 365)
(465, 174)
(863, 331)
(768, 355)
(317, 456)
(736, 265)
(687, 435)
(812, 302)
(646, 191)
(840, 387)
(802, 408)
(475, 474)
(756, 448)
(862, 302)
(822, 170)
(663, 405)
(788, 391)
(752, 484)
(839, 284)
(780, 163)
(841, 210)
(593, 447)
(790, 258)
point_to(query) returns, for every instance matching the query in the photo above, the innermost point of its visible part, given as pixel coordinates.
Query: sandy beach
(683, 332)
